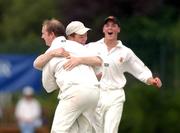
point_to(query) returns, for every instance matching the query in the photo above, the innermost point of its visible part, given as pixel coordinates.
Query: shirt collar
(119, 45)
(58, 39)
(62, 38)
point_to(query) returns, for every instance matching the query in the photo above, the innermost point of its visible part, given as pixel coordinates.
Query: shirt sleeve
(137, 68)
(48, 78)
(94, 50)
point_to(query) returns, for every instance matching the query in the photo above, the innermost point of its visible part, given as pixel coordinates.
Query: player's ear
(52, 34)
(119, 30)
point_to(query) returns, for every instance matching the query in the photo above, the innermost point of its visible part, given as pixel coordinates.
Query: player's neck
(110, 43)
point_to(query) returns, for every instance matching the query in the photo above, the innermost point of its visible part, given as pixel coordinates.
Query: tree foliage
(150, 110)
(21, 24)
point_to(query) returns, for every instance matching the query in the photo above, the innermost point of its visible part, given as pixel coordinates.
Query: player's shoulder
(73, 44)
(95, 43)
(101, 41)
(57, 40)
(123, 45)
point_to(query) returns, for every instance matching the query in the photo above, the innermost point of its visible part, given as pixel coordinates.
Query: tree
(21, 23)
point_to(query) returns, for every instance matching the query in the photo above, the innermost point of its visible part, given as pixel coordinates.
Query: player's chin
(110, 37)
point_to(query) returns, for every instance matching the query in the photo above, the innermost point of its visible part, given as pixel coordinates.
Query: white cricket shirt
(53, 74)
(116, 62)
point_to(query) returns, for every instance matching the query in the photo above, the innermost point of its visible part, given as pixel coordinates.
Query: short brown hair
(55, 26)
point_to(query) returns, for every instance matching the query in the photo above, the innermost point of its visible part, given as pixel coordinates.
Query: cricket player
(117, 59)
(79, 90)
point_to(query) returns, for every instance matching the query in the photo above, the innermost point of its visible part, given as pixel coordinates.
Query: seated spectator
(28, 111)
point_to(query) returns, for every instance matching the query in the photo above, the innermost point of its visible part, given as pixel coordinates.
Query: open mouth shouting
(110, 33)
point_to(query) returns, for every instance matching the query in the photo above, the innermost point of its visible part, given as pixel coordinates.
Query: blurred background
(150, 28)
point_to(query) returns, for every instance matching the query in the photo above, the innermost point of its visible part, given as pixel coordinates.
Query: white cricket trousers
(109, 110)
(75, 101)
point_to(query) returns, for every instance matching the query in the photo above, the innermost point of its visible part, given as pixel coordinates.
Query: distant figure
(28, 112)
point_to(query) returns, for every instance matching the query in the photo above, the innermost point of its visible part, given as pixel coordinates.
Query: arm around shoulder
(42, 60)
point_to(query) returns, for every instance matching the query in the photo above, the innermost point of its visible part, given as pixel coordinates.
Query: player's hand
(155, 82)
(71, 63)
(59, 52)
